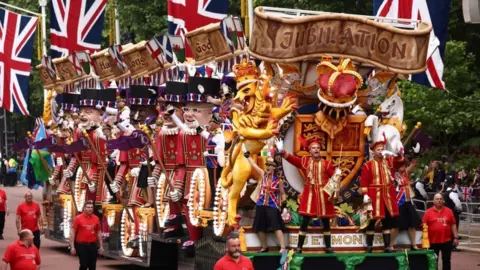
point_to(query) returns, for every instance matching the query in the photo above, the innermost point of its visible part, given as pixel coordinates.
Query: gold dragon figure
(255, 120)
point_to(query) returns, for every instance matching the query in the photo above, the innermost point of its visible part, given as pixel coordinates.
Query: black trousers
(2, 222)
(306, 221)
(456, 214)
(87, 255)
(36, 238)
(446, 249)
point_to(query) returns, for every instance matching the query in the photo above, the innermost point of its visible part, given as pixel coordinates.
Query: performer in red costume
(315, 201)
(378, 186)
(169, 146)
(69, 119)
(92, 104)
(197, 115)
(142, 101)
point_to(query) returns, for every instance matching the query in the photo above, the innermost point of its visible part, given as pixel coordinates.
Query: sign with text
(282, 40)
(209, 43)
(139, 60)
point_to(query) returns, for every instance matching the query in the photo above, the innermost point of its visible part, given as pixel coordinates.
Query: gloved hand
(366, 199)
(115, 187)
(416, 149)
(387, 153)
(51, 181)
(135, 172)
(151, 181)
(338, 171)
(170, 110)
(91, 187)
(67, 173)
(175, 195)
(279, 144)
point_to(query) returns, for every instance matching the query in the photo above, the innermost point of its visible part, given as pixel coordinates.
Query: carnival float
(173, 179)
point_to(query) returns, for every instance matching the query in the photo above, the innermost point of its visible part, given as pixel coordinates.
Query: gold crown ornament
(246, 72)
(338, 84)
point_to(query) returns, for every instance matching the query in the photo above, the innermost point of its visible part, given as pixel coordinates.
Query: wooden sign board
(139, 60)
(65, 71)
(208, 44)
(48, 80)
(280, 40)
(105, 66)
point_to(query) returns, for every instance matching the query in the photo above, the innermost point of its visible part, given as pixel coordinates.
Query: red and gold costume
(170, 147)
(378, 183)
(129, 160)
(315, 201)
(92, 164)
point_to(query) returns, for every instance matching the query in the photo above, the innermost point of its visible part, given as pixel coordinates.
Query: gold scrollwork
(346, 164)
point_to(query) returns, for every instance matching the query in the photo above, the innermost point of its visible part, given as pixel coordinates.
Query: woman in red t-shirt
(441, 226)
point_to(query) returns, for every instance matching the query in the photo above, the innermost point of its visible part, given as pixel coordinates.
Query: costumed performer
(315, 201)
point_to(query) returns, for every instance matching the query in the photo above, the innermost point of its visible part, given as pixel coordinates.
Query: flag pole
(43, 5)
(250, 19)
(21, 9)
(117, 26)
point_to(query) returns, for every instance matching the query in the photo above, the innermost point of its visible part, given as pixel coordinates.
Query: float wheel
(197, 195)
(162, 205)
(127, 233)
(220, 210)
(79, 190)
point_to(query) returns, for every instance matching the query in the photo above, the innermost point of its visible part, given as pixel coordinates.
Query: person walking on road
(441, 226)
(12, 172)
(22, 255)
(29, 217)
(85, 235)
(3, 211)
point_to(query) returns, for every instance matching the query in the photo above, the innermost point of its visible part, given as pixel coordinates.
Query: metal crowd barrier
(469, 228)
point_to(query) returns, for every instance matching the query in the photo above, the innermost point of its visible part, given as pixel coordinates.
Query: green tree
(451, 117)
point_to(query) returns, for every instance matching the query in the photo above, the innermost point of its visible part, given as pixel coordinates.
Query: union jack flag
(193, 14)
(269, 191)
(76, 25)
(47, 63)
(466, 192)
(435, 12)
(16, 48)
(115, 53)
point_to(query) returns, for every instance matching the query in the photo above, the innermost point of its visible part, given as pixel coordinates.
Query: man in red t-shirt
(441, 226)
(30, 217)
(233, 260)
(22, 255)
(83, 239)
(3, 211)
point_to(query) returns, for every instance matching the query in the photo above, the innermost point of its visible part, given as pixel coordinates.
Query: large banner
(282, 40)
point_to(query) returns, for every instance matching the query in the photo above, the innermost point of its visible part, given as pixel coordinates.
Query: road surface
(55, 256)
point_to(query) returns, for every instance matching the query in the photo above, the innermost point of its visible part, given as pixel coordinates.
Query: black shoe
(387, 250)
(134, 243)
(369, 249)
(263, 250)
(299, 251)
(329, 250)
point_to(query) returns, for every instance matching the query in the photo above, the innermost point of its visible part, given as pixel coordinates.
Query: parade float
(174, 181)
